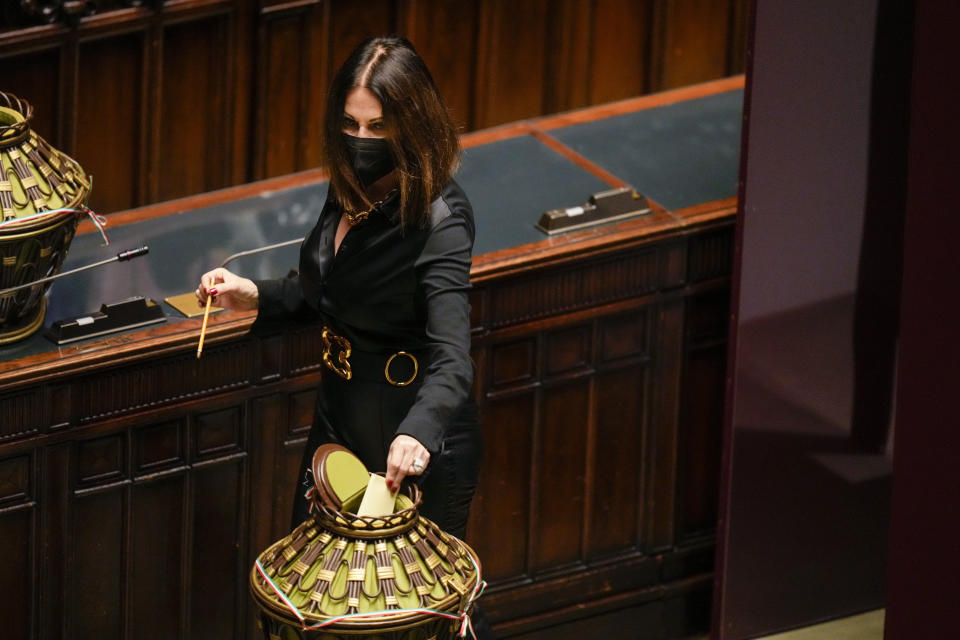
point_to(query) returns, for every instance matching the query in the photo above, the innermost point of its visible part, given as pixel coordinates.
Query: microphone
(250, 252)
(123, 256)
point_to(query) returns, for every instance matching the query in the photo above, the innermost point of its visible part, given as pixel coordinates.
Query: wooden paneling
(290, 76)
(692, 43)
(114, 124)
(560, 460)
(620, 56)
(193, 152)
(445, 35)
(35, 76)
(170, 99)
(503, 501)
(353, 22)
(18, 580)
(156, 555)
(615, 516)
(511, 61)
(97, 569)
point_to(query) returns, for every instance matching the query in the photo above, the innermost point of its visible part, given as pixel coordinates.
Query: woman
(386, 271)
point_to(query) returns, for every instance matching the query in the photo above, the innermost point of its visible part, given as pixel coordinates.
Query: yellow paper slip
(377, 499)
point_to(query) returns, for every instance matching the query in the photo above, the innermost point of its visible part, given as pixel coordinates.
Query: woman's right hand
(229, 290)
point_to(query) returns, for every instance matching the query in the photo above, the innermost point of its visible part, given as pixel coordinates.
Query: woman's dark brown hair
(421, 133)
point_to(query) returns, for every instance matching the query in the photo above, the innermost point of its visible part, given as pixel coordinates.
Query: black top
(388, 289)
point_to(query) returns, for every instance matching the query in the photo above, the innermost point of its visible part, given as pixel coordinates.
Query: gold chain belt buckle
(401, 383)
(342, 366)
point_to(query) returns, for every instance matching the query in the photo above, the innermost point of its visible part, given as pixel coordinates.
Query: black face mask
(371, 158)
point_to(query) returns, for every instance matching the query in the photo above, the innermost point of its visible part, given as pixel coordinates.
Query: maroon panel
(302, 406)
(156, 557)
(281, 94)
(694, 46)
(19, 414)
(218, 432)
(111, 67)
(623, 335)
(192, 146)
(618, 66)
(511, 61)
(445, 35)
(701, 426)
(101, 460)
(17, 580)
(560, 471)
(96, 576)
(59, 400)
(499, 519)
(15, 480)
(353, 22)
(35, 78)
(513, 363)
(158, 446)
(617, 466)
(218, 505)
(55, 497)
(566, 350)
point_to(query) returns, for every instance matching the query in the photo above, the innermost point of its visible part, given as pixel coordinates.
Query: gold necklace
(356, 217)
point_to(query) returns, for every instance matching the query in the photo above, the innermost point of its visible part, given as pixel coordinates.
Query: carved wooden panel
(511, 58)
(711, 255)
(560, 461)
(19, 579)
(96, 570)
(445, 35)
(620, 57)
(116, 392)
(156, 554)
(20, 414)
(567, 289)
(117, 123)
(502, 504)
(192, 154)
(289, 70)
(34, 76)
(692, 41)
(616, 514)
(159, 447)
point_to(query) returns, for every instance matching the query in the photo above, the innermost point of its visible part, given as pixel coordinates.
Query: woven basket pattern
(337, 563)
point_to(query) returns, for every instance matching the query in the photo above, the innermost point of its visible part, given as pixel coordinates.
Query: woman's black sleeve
(443, 273)
(280, 298)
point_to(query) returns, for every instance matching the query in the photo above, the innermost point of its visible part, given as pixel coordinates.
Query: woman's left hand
(407, 457)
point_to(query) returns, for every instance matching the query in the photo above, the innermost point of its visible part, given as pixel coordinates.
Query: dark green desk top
(678, 155)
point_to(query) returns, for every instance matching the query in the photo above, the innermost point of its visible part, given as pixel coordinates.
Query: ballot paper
(377, 499)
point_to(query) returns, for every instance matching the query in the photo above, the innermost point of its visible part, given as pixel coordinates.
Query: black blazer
(389, 289)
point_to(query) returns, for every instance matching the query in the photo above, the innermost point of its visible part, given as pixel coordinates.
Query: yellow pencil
(206, 315)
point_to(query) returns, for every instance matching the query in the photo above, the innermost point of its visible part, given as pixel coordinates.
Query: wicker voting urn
(41, 192)
(341, 575)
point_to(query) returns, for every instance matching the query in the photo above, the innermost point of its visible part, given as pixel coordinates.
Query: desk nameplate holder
(601, 208)
(116, 316)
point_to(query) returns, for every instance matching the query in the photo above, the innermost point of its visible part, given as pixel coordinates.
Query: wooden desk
(137, 483)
